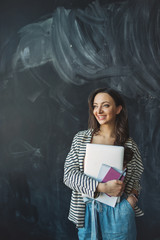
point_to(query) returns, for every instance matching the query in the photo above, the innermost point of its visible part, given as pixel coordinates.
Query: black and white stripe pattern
(75, 178)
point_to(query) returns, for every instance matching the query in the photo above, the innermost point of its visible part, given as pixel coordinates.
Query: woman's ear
(119, 108)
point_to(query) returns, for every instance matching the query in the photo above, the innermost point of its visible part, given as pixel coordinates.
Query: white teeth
(101, 117)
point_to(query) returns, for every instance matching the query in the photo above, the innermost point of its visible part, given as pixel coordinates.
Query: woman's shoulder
(84, 133)
(131, 143)
(82, 136)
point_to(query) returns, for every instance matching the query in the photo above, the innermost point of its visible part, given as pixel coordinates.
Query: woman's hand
(113, 188)
(132, 200)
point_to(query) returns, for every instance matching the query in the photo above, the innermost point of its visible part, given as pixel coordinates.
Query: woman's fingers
(114, 188)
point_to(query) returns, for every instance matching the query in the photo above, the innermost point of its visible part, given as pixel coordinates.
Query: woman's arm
(73, 177)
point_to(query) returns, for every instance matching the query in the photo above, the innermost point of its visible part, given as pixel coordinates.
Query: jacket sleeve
(73, 177)
(137, 168)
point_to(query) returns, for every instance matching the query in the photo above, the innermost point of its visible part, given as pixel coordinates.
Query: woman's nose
(100, 109)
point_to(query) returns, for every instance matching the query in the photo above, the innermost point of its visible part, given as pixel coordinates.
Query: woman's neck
(107, 131)
(105, 135)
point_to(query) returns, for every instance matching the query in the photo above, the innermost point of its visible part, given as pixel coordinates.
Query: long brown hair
(121, 125)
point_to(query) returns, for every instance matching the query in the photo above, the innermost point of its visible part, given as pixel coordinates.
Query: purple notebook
(111, 175)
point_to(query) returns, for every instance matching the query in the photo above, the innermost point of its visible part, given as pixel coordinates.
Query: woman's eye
(94, 107)
(106, 105)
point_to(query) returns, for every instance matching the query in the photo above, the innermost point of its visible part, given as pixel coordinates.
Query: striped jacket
(75, 178)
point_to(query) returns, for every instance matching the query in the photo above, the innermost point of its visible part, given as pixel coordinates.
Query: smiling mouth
(101, 117)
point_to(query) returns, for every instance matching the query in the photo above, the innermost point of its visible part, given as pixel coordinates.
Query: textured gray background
(52, 55)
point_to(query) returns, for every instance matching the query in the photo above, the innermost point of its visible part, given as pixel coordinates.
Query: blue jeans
(108, 223)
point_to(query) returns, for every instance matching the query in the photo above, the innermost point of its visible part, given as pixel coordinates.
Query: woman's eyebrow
(102, 102)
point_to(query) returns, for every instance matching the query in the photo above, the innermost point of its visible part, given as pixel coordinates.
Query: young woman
(108, 124)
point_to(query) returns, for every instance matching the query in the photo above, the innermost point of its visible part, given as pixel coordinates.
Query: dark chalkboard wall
(52, 55)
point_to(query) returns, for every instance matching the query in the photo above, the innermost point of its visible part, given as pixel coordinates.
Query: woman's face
(104, 109)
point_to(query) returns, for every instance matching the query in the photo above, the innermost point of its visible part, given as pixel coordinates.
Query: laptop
(98, 154)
